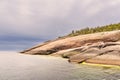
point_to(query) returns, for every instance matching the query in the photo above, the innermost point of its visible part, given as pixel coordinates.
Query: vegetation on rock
(88, 30)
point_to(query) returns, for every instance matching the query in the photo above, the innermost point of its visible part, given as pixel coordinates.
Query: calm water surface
(15, 66)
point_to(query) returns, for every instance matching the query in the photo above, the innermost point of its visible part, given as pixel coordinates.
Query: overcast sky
(24, 23)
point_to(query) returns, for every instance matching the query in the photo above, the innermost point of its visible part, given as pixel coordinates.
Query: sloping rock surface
(102, 48)
(73, 42)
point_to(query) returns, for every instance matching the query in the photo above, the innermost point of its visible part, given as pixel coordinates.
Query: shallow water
(15, 66)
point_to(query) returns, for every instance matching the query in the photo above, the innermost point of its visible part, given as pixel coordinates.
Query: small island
(99, 45)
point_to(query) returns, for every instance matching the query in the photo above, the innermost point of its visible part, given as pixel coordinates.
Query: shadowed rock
(111, 58)
(103, 55)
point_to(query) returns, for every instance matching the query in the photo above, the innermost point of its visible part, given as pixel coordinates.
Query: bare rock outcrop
(101, 48)
(74, 42)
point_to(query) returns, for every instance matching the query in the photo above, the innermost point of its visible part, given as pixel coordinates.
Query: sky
(24, 23)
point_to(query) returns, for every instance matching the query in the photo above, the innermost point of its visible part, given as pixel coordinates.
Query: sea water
(16, 66)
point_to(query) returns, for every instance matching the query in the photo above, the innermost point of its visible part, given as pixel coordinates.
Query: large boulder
(111, 58)
(109, 53)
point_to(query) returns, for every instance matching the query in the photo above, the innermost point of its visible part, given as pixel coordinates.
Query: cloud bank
(48, 19)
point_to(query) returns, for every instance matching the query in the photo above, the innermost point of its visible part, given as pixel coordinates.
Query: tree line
(88, 30)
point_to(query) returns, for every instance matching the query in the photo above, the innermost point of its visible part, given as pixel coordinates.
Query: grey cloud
(47, 19)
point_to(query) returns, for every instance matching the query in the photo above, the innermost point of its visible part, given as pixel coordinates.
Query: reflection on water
(15, 66)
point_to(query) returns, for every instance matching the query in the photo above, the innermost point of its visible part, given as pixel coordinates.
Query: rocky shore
(100, 48)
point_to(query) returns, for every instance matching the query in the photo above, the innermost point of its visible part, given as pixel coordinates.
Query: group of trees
(88, 30)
